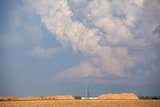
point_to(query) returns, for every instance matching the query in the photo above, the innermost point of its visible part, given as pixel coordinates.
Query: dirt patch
(8, 98)
(67, 97)
(14, 98)
(2, 98)
(29, 98)
(123, 96)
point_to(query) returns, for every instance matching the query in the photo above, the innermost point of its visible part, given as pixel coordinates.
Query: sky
(55, 47)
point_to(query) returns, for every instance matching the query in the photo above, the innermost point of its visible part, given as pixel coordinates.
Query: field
(82, 103)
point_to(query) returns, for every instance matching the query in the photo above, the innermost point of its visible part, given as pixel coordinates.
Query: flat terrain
(82, 103)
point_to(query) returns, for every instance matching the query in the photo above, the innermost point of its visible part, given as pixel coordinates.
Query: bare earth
(110, 96)
(122, 96)
(82, 103)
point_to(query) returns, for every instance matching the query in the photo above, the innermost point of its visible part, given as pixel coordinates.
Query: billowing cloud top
(120, 37)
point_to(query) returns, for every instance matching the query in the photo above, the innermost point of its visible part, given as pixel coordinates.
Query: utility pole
(87, 91)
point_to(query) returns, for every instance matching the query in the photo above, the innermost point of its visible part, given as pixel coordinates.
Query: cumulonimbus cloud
(117, 35)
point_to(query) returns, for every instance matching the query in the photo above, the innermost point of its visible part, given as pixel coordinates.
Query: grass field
(82, 103)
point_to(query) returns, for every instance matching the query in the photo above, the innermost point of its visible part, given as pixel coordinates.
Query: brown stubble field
(82, 103)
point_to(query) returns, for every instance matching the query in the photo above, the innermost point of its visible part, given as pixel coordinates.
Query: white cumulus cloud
(42, 52)
(117, 35)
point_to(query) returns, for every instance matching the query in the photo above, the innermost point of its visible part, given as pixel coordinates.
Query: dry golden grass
(82, 103)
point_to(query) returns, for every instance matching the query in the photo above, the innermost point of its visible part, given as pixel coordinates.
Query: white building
(90, 98)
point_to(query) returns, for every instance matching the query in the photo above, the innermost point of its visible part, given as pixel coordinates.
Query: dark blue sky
(42, 54)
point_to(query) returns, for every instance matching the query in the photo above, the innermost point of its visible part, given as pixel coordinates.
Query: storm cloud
(120, 38)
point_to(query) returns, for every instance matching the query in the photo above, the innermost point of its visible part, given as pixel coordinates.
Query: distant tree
(150, 97)
(41, 98)
(77, 97)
